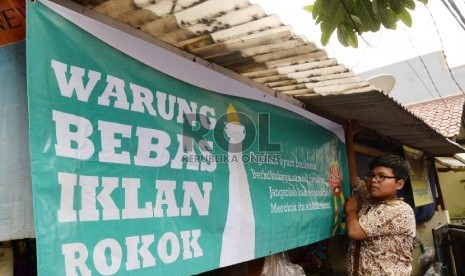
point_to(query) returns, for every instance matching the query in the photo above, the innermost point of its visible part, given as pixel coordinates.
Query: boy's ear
(400, 184)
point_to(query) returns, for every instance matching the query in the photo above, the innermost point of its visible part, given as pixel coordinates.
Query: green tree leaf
(346, 36)
(364, 11)
(343, 36)
(404, 15)
(325, 38)
(308, 8)
(410, 4)
(352, 17)
(375, 6)
(356, 19)
(387, 16)
(317, 8)
(353, 40)
(396, 5)
(331, 21)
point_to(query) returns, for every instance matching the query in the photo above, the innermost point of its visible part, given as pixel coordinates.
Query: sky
(386, 46)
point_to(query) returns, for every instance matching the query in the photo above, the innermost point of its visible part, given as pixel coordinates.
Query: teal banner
(136, 172)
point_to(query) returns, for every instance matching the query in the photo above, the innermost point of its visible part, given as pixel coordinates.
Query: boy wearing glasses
(381, 226)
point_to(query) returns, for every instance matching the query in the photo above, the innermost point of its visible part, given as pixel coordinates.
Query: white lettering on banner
(107, 132)
(143, 97)
(75, 81)
(166, 112)
(168, 250)
(73, 140)
(65, 137)
(90, 198)
(186, 148)
(148, 259)
(100, 260)
(146, 136)
(95, 189)
(115, 90)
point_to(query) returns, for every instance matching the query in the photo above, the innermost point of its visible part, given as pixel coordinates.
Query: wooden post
(440, 199)
(351, 130)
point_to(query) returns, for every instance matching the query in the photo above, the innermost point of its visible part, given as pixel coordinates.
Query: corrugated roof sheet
(241, 37)
(450, 162)
(444, 115)
(385, 116)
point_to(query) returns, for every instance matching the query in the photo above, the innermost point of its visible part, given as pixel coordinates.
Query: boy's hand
(351, 205)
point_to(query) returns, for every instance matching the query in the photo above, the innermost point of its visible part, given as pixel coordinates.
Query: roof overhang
(455, 164)
(376, 111)
(449, 163)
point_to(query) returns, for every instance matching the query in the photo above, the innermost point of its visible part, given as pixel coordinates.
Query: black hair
(398, 165)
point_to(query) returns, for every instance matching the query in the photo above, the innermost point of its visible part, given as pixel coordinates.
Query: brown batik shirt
(390, 227)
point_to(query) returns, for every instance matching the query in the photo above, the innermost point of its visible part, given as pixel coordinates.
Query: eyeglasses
(378, 178)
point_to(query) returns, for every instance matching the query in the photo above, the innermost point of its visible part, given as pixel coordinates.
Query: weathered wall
(16, 219)
(453, 192)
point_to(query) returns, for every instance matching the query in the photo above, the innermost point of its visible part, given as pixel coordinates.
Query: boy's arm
(354, 230)
(360, 192)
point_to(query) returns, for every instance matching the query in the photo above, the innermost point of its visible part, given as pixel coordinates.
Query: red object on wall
(12, 21)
